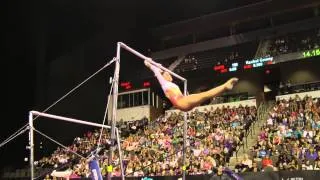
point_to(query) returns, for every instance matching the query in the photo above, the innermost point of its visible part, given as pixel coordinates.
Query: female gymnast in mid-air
(173, 93)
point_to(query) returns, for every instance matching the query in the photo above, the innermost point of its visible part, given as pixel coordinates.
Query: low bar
(68, 119)
(147, 58)
(31, 138)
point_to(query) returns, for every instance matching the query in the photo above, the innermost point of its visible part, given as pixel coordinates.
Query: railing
(298, 88)
(262, 109)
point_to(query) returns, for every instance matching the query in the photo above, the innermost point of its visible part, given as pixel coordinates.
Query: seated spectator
(311, 155)
(262, 153)
(266, 161)
(246, 162)
(254, 167)
(220, 175)
(293, 165)
(306, 165)
(316, 165)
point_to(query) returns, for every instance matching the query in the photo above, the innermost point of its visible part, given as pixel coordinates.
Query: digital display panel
(248, 64)
(311, 53)
(127, 85)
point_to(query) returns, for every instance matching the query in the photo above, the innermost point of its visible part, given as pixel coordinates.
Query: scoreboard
(128, 85)
(311, 53)
(248, 64)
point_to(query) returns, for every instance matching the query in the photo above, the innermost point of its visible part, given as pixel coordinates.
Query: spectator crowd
(155, 148)
(289, 139)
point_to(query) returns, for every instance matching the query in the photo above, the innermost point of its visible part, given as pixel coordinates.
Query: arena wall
(301, 71)
(133, 113)
(314, 94)
(250, 102)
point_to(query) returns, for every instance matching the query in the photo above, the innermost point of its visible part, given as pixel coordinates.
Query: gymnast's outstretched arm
(157, 72)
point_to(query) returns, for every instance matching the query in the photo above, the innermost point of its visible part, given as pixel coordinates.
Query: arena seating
(294, 42)
(155, 148)
(289, 139)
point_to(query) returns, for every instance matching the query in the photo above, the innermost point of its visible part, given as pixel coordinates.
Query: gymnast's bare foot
(230, 83)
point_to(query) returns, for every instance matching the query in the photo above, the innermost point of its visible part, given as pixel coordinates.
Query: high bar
(68, 119)
(148, 59)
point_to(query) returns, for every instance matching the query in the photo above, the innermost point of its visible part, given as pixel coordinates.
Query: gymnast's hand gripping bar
(149, 60)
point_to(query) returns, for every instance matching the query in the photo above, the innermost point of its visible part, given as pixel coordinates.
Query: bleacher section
(155, 149)
(294, 42)
(215, 133)
(289, 138)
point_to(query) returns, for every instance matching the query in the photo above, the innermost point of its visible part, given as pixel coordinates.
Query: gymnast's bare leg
(193, 100)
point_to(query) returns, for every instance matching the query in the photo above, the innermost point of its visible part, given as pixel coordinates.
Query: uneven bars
(68, 119)
(148, 59)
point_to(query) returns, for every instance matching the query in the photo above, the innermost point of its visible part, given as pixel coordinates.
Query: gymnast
(173, 92)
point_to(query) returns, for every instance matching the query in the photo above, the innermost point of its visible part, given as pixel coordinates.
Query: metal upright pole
(120, 154)
(114, 107)
(184, 135)
(31, 145)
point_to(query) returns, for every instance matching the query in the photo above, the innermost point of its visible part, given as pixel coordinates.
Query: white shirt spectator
(270, 121)
(316, 166)
(307, 167)
(247, 162)
(196, 152)
(308, 132)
